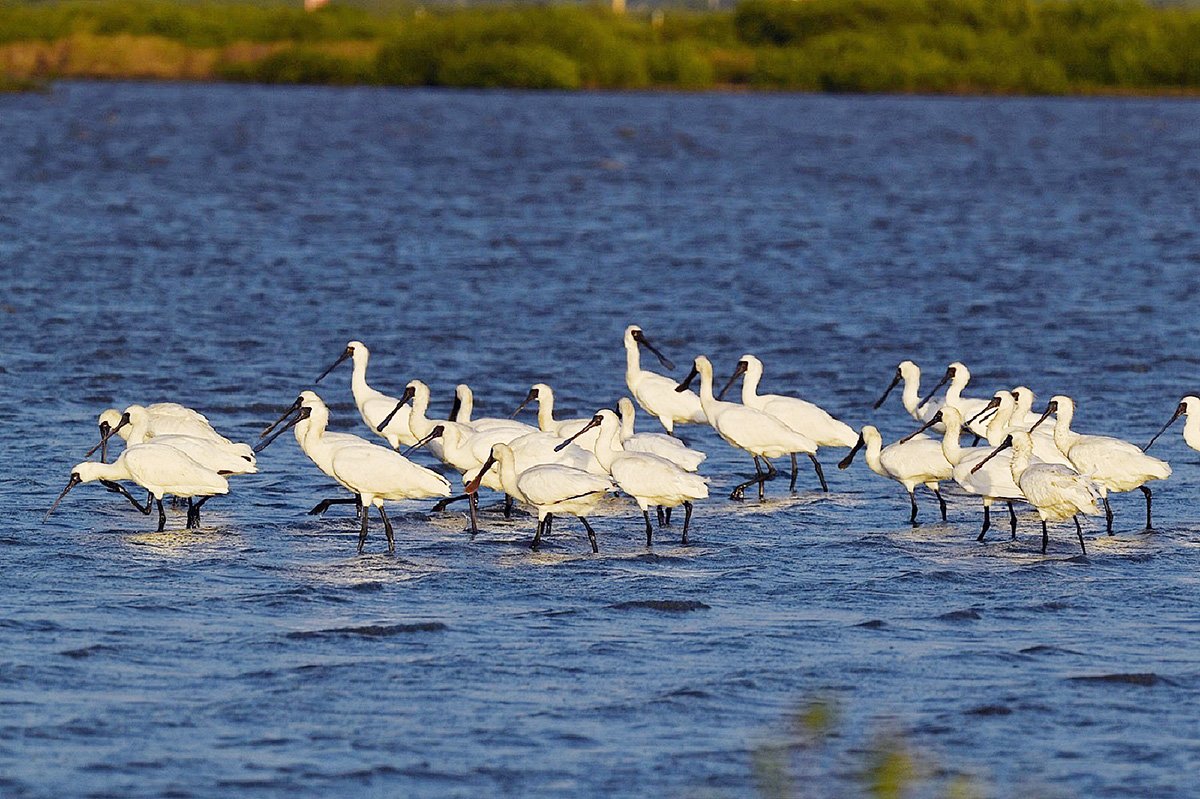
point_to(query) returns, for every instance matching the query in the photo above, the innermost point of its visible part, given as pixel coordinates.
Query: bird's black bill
(290, 410)
(595, 421)
(74, 481)
(895, 382)
(737, 372)
(455, 408)
(845, 462)
(1180, 411)
(937, 417)
(349, 351)
(405, 397)
(1051, 408)
(106, 432)
(530, 397)
(992, 405)
(687, 381)
(1004, 445)
(945, 379)
(437, 432)
(302, 413)
(667, 363)
(473, 486)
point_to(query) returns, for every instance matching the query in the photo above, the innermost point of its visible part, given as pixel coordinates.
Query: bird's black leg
(792, 485)
(362, 532)
(987, 522)
(1012, 519)
(1079, 532)
(687, 520)
(324, 504)
(508, 506)
(473, 504)
(358, 506)
(941, 502)
(739, 492)
(1108, 515)
(387, 528)
(537, 536)
(762, 482)
(668, 515)
(1045, 537)
(162, 516)
(649, 528)
(975, 443)
(117, 488)
(196, 511)
(187, 525)
(442, 504)
(816, 466)
(591, 535)
(659, 510)
(912, 498)
(1146, 491)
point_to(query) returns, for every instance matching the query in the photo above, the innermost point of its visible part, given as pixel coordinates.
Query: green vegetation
(936, 46)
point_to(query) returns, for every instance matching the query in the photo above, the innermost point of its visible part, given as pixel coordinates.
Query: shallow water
(219, 245)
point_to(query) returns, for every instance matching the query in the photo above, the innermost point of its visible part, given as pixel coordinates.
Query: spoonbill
(373, 405)
(917, 460)
(549, 489)
(211, 453)
(375, 474)
(659, 444)
(1114, 465)
(158, 468)
(1188, 406)
(752, 431)
(1057, 492)
(802, 416)
(163, 418)
(464, 407)
(957, 375)
(649, 479)
(657, 394)
(543, 395)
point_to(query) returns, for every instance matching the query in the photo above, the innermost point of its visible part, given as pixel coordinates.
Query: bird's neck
(912, 393)
(998, 427)
(545, 411)
(951, 447)
(750, 382)
(1020, 462)
(606, 447)
(627, 424)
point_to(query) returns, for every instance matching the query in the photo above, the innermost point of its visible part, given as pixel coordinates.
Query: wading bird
(659, 444)
(1188, 406)
(913, 461)
(658, 395)
(543, 395)
(374, 405)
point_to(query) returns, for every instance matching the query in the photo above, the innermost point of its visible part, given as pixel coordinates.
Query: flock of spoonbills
(566, 467)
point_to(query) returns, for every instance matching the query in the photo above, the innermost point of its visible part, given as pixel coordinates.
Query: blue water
(219, 245)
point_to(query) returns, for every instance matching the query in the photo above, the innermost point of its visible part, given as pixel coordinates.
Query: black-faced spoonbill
(1058, 492)
(1188, 406)
(543, 395)
(158, 468)
(909, 374)
(549, 489)
(658, 395)
(1115, 465)
(163, 418)
(649, 479)
(957, 375)
(913, 461)
(757, 433)
(373, 405)
(664, 446)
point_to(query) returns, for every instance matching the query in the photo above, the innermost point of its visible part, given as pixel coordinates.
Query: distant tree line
(935, 46)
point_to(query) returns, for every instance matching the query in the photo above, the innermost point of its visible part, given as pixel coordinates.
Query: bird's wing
(551, 483)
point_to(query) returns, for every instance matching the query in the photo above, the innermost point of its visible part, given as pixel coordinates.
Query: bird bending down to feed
(657, 394)
(913, 461)
(1057, 492)
(757, 433)
(160, 469)
(649, 479)
(549, 489)
(1115, 465)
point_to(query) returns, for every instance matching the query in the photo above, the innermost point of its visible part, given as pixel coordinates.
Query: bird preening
(572, 467)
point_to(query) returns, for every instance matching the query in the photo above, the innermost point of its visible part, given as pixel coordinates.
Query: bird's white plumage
(649, 479)
(158, 468)
(753, 431)
(660, 444)
(1057, 492)
(801, 415)
(656, 393)
(1114, 464)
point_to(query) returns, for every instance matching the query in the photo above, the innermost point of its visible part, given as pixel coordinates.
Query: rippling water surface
(219, 245)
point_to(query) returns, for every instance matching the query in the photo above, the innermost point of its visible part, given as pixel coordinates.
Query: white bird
(464, 407)
(543, 395)
(657, 394)
(220, 456)
(801, 415)
(757, 433)
(163, 418)
(549, 489)
(1114, 464)
(1057, 492)
(375, 474)
(649, 479)
(1188, 406)
(158, 468)
(660, 444)
(917, 460)
(909, 374)
(374, 405)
